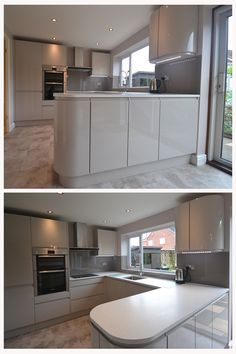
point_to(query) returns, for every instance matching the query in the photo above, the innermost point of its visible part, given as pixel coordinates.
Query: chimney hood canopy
(83, 60)
(82, 238)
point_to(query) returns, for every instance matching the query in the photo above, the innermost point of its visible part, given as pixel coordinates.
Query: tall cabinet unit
(28, 80)
(18, 273)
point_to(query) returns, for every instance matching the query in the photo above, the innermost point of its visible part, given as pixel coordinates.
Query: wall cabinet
(109, 133)
(18, 306)
(100, 64)
(107, 242)
(72, 137)
(49, 233)
(143, 130)
(178, 127)
(54, 54)
(28, 106)
(17, 250)
(28, 66)
(200, 224)
(207, 223)
(86, 294)
(173, 32)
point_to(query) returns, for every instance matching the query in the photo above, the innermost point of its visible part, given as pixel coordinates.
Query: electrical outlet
(190, 266)
(104, 264)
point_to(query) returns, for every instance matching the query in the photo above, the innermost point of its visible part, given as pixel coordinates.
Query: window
(154, 250)
(136, 70)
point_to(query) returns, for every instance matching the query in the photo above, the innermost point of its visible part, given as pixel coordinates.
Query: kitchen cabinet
(54, 54)
(28, 106)
(18, 306)
(49, 233)
(86, 294)
(221, 322)
(49, 111)
(182, 225)
(107, 242)
(203, 322)
(207, 223)
(143, 130)
(82, 57)
(118, 289)
(178, 127)
(17, 251)
(100, 64)
(48, 310)
(72, 137)
(28, 66)
(182, 336)
(109, 134)
(173, 33)
(200, 224)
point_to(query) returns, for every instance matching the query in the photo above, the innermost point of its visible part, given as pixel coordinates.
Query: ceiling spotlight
(97, 44)
(128, 210)
(60, 193)
(53, 19)
(111, 29)
(49, 211)
(54, 38)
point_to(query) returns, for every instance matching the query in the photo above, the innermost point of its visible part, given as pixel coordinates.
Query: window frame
(128, 55)
(139, 233)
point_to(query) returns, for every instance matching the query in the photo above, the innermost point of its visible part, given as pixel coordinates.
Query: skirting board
(85, 181)
(29, 123)
(198, 160)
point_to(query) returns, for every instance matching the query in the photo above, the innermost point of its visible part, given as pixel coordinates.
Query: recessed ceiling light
(111, 29)
(60, 193)
(54, 38)
(97, 44)
(50, 211)
(53, 19)
(128, 210)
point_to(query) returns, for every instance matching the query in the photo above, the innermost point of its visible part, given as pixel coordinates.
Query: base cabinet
(203, 322)
(183, 336)
(109, 134)
(28, 106)
(220, 322)
(52, 309)
(178, 127)
(18, 307)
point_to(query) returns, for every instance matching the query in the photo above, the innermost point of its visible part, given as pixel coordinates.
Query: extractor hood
(82, 237)
(82, 60)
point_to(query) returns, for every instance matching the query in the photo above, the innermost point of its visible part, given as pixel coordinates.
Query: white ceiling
(77, 25)
(94, 208)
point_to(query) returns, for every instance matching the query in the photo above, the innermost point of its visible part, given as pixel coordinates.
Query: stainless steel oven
(54, 80)
(50, 270)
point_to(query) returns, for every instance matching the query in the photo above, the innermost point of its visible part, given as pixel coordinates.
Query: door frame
(216, 113)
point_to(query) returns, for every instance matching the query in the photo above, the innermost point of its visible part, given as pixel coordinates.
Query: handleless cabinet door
(221, 322)
(109, 133)
(28, 66)
(100, 64)
(54, 54)
(207, 223)
(72, 137)
(48, 233)
(153, 35)
(178, 127)
(143, 130)
(18, 307)
(28, 106)
(183, 336)
(107, 243)
(182, 227)
(17, 250)
(204, 328)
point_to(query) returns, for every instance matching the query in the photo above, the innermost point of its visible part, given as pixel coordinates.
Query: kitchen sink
(133, 277)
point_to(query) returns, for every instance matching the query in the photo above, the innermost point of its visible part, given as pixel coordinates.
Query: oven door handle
(51, 271)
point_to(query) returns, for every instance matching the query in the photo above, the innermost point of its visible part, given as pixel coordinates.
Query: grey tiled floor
(69, 334)
(29, 164)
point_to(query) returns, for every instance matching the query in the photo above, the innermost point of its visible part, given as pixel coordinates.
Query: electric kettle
(154, 86)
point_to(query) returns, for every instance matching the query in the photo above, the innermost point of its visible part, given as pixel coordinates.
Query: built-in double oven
(54, 81)
(50, 270)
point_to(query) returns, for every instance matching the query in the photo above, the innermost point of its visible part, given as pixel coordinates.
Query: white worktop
(142, 318)
(112, 94)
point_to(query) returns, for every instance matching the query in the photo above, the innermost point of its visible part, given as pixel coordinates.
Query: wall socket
(190, 266)
(104, 264)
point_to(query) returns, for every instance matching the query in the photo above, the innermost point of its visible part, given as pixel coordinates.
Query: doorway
(220, 148)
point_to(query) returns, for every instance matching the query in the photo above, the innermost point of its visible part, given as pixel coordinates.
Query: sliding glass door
(222, 76)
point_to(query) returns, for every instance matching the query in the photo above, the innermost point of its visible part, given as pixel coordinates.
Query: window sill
(158, 273)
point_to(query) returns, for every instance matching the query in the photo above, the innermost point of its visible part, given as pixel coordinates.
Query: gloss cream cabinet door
(54, 54)
(178, 127)
(107, 242)
(143, 130)
(182, 227)
(109, 134)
